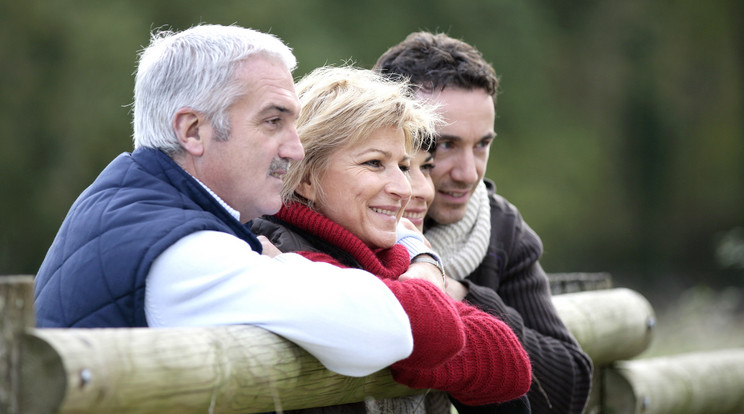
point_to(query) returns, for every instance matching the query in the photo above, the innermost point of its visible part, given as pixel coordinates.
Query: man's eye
(484, 144)
(444, 145)
(404, 168)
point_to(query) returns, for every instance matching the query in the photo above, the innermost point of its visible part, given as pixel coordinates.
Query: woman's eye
(404, 168)
(373, 163)
(427, 167)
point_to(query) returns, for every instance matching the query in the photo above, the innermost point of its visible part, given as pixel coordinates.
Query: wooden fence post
(16, 314)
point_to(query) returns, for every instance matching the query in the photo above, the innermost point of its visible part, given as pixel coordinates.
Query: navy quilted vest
(94, 273)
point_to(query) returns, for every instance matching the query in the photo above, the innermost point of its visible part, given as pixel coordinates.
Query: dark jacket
(511, 284)
(94, 273)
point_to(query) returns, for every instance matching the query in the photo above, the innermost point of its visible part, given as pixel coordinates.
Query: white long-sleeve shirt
(347, 318)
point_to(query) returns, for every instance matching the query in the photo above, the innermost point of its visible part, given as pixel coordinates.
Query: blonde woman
(343, 202)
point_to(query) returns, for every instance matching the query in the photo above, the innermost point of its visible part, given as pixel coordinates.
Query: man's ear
(190, 127)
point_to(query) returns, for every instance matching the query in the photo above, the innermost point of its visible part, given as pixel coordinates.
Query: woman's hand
(268, 248)
(425, 271)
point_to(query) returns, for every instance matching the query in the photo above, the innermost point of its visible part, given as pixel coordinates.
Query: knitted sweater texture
(457, 348)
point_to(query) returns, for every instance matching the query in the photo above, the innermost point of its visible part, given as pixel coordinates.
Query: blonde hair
(341, 106)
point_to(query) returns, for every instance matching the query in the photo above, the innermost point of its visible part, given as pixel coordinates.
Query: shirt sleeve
(347, 318)
(435, 324)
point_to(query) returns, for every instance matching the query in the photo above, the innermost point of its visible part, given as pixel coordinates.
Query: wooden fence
(244, 369)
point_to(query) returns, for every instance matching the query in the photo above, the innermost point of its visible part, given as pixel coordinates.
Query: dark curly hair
(432, 61)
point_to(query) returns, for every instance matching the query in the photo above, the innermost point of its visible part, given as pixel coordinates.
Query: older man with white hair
(160, 237)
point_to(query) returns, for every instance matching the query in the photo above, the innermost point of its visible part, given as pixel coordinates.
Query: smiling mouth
(385, 212)
(454, 193)
(414, 214)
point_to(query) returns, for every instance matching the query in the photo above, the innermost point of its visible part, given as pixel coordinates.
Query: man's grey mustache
(279, 165)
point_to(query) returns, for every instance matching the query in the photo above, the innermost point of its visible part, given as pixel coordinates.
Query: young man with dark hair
(491, 255)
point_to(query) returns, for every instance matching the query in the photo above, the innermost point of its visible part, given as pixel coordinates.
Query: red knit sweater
(456, 347)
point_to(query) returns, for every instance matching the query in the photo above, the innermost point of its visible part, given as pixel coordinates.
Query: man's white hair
(194, 68)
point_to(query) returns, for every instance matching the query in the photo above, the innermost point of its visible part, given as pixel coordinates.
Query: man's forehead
(264, 71)
(271, 92)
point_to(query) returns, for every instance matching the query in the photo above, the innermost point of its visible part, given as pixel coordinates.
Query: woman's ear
(307, 190)
(190, 127)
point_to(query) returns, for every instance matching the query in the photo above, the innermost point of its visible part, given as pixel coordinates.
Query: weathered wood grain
(16, 314)
(690, 383)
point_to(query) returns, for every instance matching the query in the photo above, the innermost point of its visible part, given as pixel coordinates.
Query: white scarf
(463, 245)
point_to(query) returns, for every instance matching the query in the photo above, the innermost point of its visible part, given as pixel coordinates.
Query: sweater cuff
(413, 241)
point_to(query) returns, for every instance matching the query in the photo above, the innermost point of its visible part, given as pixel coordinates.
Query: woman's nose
(398, 185)
(419, 187)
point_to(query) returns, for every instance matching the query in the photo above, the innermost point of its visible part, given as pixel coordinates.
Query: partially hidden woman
(422, 195)
(422, 186)
(342, 205)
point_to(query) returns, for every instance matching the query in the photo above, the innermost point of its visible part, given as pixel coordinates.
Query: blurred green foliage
(621, 135)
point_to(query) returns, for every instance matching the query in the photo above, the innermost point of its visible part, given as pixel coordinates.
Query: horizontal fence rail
(245, 369)
(690, 383)
(610, 325)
